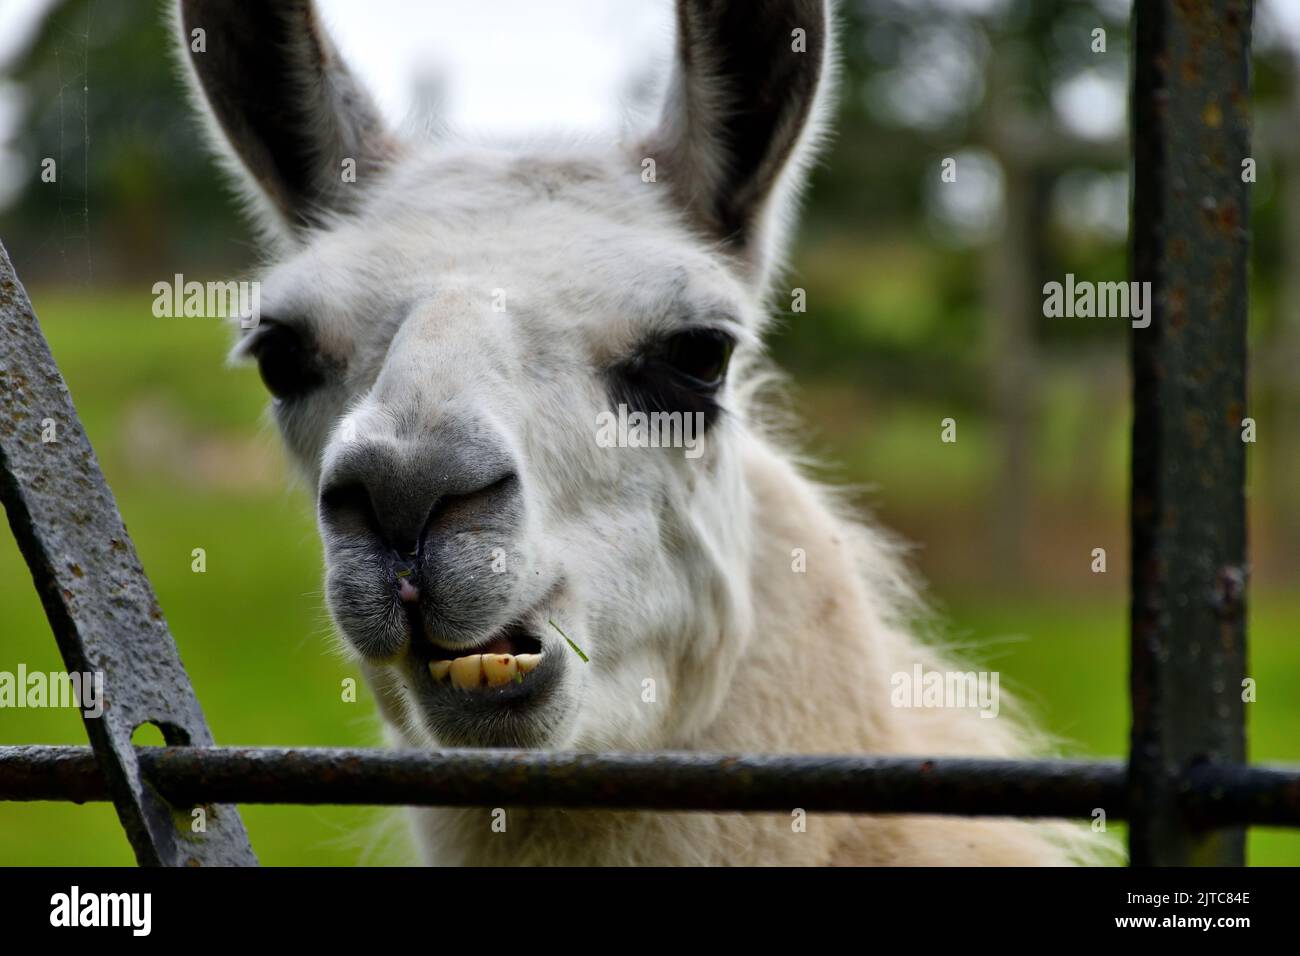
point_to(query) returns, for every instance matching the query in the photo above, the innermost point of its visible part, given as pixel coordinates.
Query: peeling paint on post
(1191, 95)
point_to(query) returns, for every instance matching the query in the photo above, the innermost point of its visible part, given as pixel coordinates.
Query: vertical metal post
(1191, 95)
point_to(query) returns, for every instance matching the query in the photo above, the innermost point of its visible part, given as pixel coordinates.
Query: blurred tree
(134, 195)
(936, 79)
(1028, 91)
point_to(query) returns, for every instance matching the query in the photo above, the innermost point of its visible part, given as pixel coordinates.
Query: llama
(444, 333)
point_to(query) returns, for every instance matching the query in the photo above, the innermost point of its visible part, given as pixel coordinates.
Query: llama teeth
(467, 672)
(439, 670)
(478, 670)
(499, 669)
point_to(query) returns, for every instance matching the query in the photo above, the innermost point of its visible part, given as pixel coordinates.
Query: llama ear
(299, 124)
(741, 115)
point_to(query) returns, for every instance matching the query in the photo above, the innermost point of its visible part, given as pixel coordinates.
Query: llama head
(470, 347)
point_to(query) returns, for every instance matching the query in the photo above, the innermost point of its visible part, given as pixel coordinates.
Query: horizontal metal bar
(1214, 794)
(1210, 795)
(662, 781)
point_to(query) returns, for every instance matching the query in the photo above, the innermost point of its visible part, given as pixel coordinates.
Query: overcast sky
(506, 65)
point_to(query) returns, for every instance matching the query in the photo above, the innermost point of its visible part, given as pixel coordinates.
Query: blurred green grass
(156, 397)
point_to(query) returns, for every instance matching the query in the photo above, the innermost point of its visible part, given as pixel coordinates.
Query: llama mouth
(506, 689)
(504, 692)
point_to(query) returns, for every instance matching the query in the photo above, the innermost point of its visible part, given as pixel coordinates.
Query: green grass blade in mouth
(576, 648)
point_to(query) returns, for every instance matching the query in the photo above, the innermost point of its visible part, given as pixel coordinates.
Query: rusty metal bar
(1208, 795)
(1213, 795)
(99, 603)
(1191, 94)
(649, 781)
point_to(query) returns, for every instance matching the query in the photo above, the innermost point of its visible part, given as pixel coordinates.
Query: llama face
(511, 375)
(450, 369)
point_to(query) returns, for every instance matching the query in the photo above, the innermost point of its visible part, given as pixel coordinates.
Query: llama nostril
(402, 514)
(398, 496)
(347, 507)
(393, 519)
(462, 508)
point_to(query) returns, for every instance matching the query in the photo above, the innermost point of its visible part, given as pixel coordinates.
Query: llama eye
(288, 368)
(699, 355)
(681, 373)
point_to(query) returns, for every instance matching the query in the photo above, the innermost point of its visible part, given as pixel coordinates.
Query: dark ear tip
(747, 89)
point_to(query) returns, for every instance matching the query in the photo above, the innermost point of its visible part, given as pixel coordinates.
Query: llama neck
(813, 676)
(816, 657)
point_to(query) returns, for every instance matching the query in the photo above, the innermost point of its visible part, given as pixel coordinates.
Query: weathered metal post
(99, 603)
(1191, 137)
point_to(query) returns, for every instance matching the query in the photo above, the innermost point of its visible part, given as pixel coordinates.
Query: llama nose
(378, 492)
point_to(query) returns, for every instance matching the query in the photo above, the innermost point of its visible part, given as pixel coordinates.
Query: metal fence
(1185, 790)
